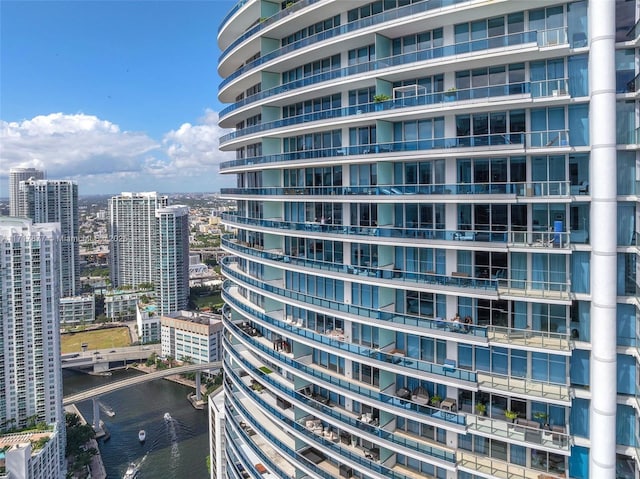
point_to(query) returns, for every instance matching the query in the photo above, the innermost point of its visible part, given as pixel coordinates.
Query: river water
(175, 449)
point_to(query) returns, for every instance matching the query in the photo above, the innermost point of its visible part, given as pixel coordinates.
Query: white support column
(602, 129)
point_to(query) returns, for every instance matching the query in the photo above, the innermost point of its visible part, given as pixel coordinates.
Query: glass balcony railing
(344, 419)
(543, 239)
(524, 386)
(231, 13)
(457, 280)
(523, 431)
(515, 140)
(534, 288)
(234, 419)
(262, 23)
(336, 384)
(539, 139)
(529, 337)
(337, 307)
(634, 85)
(546, 88)
(514, 39)
(406, 102)
(535, 188)
(324, 443)
(491, 467)
(273, 440)
(411, 366)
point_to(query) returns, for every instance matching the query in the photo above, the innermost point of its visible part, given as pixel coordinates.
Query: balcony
(512, 40)
(528, 433)
(529, 338)
(489, 467)
(537, 189)
(323, 420)
(502, 141)
(406, 102)
(386, 399)
(538, 289)
(525, 387)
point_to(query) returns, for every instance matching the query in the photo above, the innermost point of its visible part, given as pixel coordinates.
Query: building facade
(122, 305)
(435, 270)
(16, 175)
(193, 336)
(76, 310)
(172, 284)
(30, 369)
(48, 201)
(215, 407)
(133, 238)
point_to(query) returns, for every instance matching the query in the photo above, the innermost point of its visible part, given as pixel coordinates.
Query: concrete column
(198, 392)
(96, 414)
(603, 227)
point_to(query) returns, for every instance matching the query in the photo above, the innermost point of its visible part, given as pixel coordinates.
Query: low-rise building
(121, 305)
(33, 454)
(148, 322)
(78, 309)
(192, 335)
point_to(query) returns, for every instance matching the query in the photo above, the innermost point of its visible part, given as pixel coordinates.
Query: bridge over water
(94, 393)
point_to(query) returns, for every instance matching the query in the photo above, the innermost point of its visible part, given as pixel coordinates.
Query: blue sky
(118, 95)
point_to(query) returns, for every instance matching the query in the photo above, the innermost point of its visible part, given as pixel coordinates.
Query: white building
(193, 335)
(172, 283)
(30, 370)
(78, 309)
(148, 322)
(33, 455)
(16, 175)
(121, 305)
(48, 201)
(216, 435)
(133, 238)
(404, 163)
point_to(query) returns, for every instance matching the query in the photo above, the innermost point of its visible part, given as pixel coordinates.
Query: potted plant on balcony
(542, 417)
(435, 400)
(481, 409)
(510, 415)
(378, 99)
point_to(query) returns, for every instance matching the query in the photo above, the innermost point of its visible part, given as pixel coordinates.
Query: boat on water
(142, 435)
(132, 471)
(167, 416)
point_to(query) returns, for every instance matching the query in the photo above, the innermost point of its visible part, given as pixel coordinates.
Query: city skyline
(121, 110)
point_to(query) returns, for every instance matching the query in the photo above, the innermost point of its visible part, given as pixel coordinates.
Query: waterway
(175, 449)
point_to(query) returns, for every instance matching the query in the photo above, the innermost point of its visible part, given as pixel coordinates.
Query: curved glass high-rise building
(434, 269)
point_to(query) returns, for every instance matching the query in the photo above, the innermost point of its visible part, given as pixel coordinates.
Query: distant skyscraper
(30, 370)
(16, 175)
(172, 283)
(48, 201)
(133, 238)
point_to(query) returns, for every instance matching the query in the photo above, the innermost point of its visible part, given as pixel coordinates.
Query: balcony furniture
(450, 365)
(373, 453)
(403, 393)
(420, 396)
(346, 471)
(260, 468)
(460, 278)
(449, 404)
(313, 455)
(345, 438)
(558, 435)
(282, 403)
(532, 432)
(464, 236)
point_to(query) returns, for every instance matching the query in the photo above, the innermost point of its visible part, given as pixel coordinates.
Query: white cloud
(103, 158)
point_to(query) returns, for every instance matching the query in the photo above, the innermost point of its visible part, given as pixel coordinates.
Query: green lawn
(97, 339)
(213, 300)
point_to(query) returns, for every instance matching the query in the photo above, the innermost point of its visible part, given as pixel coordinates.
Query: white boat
(167, 416)
(132, 471)
(142, 435)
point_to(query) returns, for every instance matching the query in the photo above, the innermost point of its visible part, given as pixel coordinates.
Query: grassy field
(97, 339)
(212, 301)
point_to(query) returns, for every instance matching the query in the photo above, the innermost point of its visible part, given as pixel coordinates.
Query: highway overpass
(125, 383)
(101, 360)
